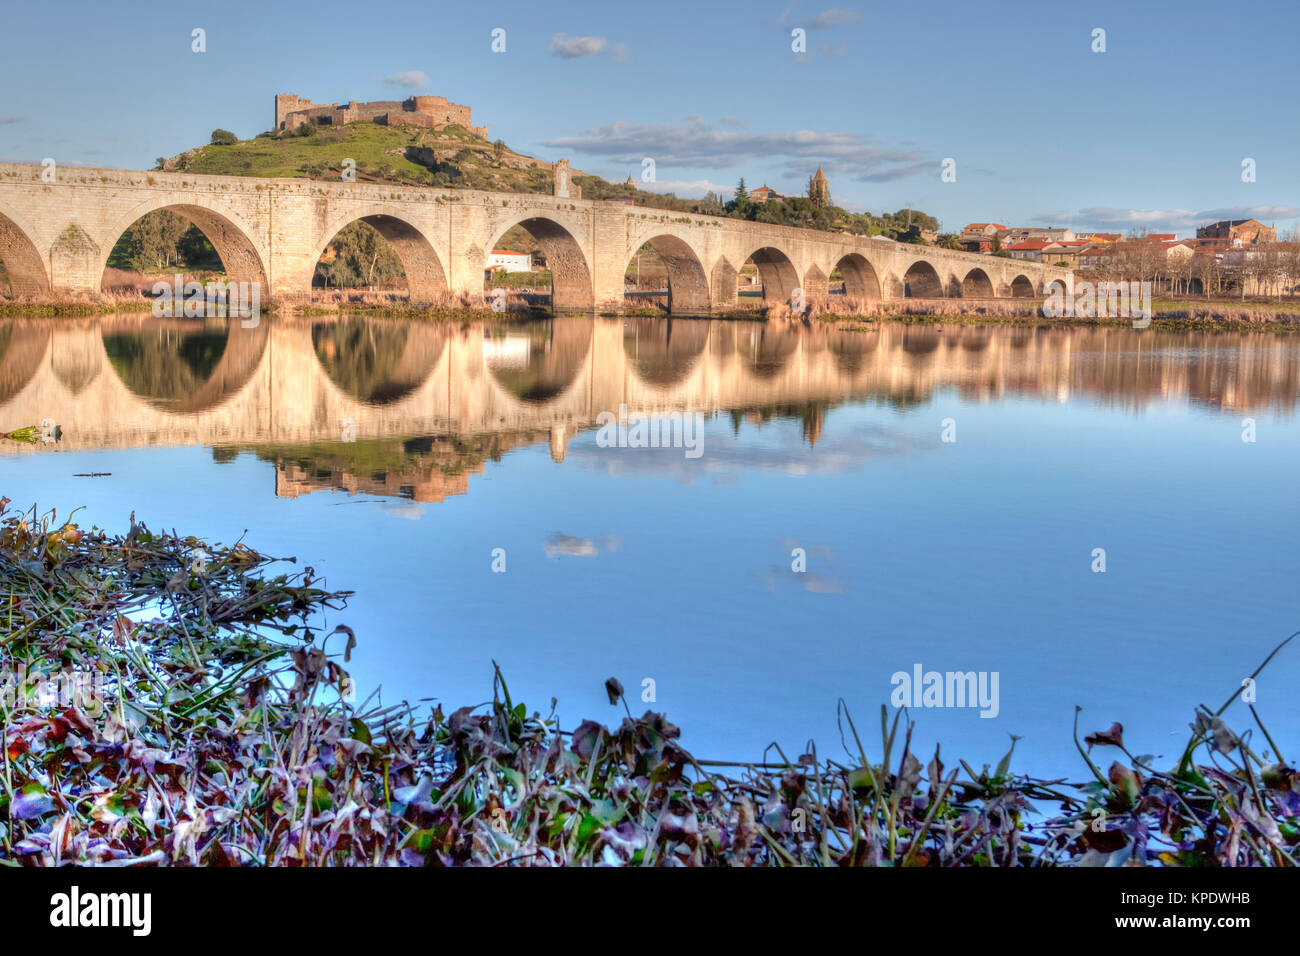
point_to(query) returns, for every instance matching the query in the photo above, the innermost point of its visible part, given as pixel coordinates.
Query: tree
(948, 240)
(153, 239)
(742, 194)
(224, 137)
(498, 151)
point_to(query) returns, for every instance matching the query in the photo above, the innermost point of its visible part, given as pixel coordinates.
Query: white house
(508, 260)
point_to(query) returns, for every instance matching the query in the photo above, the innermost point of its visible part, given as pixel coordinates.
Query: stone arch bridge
(55, 237)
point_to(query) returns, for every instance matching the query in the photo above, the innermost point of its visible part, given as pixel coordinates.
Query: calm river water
(945, 490)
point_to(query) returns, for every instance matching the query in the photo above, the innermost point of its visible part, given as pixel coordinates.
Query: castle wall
(428, 112)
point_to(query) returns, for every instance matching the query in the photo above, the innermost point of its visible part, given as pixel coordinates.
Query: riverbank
(1167, 314)
(173, 701)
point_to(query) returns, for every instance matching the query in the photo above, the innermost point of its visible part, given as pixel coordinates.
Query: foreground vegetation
(213, 725)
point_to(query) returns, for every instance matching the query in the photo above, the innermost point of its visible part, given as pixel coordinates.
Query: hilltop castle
(433, 112)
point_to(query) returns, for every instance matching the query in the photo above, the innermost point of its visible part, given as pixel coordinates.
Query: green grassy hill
(448, 157)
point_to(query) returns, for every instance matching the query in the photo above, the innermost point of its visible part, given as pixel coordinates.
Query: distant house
(507, 260)
(1095, 257)
(979, 236)
(1067, 252)
(763, 193)
(1011, 237)
(1030, 249)
(1250, 231)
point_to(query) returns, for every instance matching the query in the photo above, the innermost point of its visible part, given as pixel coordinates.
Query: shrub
(224, 137)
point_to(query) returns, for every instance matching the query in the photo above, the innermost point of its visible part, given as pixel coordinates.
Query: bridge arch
(688, 285)
(426, 279)
(861, 281)
(1022, 287)
(977, 285)
(229, 237)
(571, 284)
(921, 281)
(779, 276)
(22, 259)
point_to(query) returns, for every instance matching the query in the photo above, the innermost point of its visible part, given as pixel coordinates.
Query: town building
(1030, 249)
(507, 260)
(764, 193)
(1250, 231)
(1067, 252)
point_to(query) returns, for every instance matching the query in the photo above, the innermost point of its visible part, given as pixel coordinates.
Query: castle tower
(819, 190)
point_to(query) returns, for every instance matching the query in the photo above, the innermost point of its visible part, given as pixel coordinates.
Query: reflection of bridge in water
(134, 381)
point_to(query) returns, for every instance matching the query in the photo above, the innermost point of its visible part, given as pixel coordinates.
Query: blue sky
(1149, 134)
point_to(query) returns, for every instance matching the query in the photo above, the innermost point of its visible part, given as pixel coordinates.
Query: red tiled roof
(1030, 244)
(507, 252)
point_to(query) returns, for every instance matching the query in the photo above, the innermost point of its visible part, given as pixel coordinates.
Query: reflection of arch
(538, 361)
(75, 359)
(183, 366)
(425, 278)
(766, 349)
(377, 362)
(851, 348)
(571, 286)
(22, 348)
(238, 255)
(22, 260)
(688, 286)
(977, 285)
(777, 272)
(860, 278)
(921, 281)
(1022, 287)
(662, 351)
(920, 341)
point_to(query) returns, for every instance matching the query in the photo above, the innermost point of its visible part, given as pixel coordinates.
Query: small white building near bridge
(508, 260)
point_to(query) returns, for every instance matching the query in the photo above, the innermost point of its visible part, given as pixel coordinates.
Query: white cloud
(694, 143)
(1166, 220)
(411, 79)
(685, 188)
(571, 48)
(833, 17)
